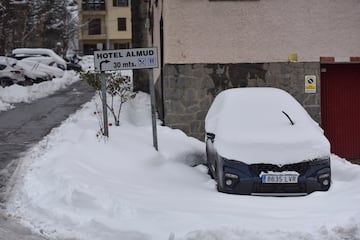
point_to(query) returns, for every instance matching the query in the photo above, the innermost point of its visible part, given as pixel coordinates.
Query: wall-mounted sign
(310, 84)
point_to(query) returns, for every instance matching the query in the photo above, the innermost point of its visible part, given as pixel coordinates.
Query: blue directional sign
(134, 58)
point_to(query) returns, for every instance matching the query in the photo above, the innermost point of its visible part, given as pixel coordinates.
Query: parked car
(43, 55)
(261, 141)
(53, 72)
(32, 73)
(10, 75)
(73, 66)
(40, 59)
(72, 62)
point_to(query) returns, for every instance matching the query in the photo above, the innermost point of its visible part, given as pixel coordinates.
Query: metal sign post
(153, 108)
(104, 103)
(122, 59)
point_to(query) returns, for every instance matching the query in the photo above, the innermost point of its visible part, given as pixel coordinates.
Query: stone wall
(189, 89)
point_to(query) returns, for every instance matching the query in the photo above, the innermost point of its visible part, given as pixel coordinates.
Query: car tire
(39, 80)
(5, 82)
(217, 182)
(27, 82)
(209, 170)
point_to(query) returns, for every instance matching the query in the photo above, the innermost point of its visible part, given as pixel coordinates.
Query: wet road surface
(24, 126)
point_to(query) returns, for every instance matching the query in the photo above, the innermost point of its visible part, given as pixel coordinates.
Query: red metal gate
(340, 108)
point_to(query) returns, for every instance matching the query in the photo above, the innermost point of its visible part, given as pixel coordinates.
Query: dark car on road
(261, 141)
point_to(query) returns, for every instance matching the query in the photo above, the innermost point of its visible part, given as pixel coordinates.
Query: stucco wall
(203, 31)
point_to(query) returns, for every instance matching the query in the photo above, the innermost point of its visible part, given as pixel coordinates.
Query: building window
(121, 45)
(93, 5)
(88, 49)
(121, 24)
(95, 26)
(232, 0)
(120, 3)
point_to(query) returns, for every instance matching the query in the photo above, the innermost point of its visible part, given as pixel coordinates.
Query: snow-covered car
(41, 55)
(10, 75)
(31, 72)
(73, 66)
(261, 141)
(53, 72)
(40, 59)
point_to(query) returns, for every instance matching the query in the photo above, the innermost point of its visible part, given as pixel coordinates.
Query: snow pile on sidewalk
(74, 185)
(17, 94)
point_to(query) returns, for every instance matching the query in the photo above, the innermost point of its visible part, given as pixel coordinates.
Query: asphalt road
(24, 126)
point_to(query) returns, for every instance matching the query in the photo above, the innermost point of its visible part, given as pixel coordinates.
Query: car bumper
(240, 178)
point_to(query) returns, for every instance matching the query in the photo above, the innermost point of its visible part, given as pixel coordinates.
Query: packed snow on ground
(16, 93)
(76, 185)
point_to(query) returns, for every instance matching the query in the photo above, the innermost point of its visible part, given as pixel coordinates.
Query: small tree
(118, 89)
(119, 86)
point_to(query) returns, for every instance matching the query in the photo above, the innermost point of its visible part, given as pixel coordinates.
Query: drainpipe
(106, 24)
(162, 68)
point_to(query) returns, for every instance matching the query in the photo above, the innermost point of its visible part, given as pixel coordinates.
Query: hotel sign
(122, 59)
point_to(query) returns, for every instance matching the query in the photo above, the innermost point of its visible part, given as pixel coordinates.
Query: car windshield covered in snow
(263, 126)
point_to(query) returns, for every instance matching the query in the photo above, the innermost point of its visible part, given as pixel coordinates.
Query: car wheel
(209, 170)
(5, 82)
(217, 179)
(37, 80)
(28, 82)
(25, 83)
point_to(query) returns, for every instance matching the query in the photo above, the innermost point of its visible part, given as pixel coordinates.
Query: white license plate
(279, 178)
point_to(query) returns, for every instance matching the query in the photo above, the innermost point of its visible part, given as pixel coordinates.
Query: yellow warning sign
(310, 84)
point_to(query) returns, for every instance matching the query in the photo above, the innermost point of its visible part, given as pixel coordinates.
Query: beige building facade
(104, 24)
(250, 31)
(206, 46)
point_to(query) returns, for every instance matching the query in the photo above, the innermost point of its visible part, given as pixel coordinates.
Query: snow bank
(17, 94)
(87, 63)
(75, 185)
(4, 105)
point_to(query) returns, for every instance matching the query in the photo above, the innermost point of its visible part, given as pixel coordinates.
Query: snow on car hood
(250, 126)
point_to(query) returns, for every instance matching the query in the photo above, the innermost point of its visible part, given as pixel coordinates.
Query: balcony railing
(93, 5)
